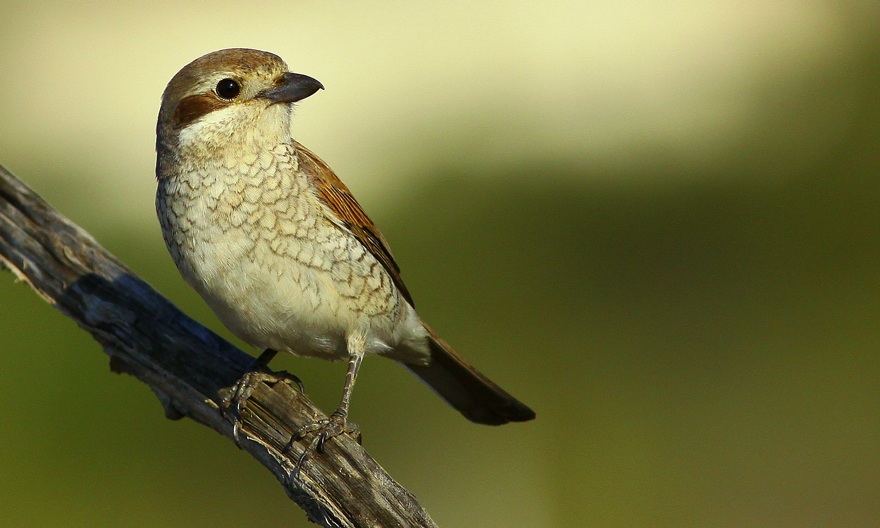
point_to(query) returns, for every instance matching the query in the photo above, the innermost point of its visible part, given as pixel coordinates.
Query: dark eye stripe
(195, 106)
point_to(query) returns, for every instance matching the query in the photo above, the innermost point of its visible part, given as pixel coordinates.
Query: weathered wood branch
(190, 368)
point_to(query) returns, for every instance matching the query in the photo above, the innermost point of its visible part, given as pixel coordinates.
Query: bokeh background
(655, 222)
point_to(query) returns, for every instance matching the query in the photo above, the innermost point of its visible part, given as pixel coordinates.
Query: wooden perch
(190, 368)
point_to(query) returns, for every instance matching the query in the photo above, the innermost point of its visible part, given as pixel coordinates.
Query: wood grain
(191, 369)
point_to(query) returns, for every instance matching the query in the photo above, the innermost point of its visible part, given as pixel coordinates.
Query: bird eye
(228, 89)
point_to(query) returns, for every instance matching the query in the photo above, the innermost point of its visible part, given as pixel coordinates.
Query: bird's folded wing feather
(349, 214)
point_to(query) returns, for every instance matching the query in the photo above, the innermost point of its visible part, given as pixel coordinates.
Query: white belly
(280, 275)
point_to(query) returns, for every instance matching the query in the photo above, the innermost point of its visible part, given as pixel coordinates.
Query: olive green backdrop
(699, 338)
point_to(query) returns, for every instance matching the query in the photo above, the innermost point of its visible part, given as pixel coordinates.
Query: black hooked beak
(293, 87)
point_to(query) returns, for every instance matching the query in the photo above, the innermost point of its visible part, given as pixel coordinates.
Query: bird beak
(293, 87)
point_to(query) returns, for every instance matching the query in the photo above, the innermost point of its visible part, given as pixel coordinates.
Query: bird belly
(297, 284)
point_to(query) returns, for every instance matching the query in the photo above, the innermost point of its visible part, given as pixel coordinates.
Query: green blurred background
(656, 224)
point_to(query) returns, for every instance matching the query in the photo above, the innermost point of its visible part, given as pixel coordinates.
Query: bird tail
(467, 390)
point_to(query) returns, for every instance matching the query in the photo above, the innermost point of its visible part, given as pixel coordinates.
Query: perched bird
(276, 244)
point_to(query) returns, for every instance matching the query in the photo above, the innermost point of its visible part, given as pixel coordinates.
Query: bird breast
(250, 235)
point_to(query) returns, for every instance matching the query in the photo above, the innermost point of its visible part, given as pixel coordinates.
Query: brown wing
(350, 214)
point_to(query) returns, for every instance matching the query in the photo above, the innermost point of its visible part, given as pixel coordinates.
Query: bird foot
(323, 430)
(233, 403)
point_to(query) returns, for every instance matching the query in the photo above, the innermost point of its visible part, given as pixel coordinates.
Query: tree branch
(190, 368)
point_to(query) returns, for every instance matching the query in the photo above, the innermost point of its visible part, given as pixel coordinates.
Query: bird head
(229, 99)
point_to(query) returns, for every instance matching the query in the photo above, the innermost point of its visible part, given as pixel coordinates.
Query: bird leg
(263, 360)
(336, 423)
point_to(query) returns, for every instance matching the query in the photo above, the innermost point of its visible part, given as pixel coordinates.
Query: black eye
(228, 89)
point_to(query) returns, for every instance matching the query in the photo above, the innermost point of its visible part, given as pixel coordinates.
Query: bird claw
(242, 390)
(328, 428)
(324, 430)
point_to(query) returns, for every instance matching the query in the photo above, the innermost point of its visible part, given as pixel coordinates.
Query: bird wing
(349, 214)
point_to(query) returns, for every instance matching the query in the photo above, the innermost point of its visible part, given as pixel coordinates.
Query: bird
(278, 247)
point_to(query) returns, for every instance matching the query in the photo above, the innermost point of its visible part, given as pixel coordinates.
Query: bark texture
(191, 369)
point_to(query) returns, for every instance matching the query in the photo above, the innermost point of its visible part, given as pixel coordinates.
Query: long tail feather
(466, 389)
